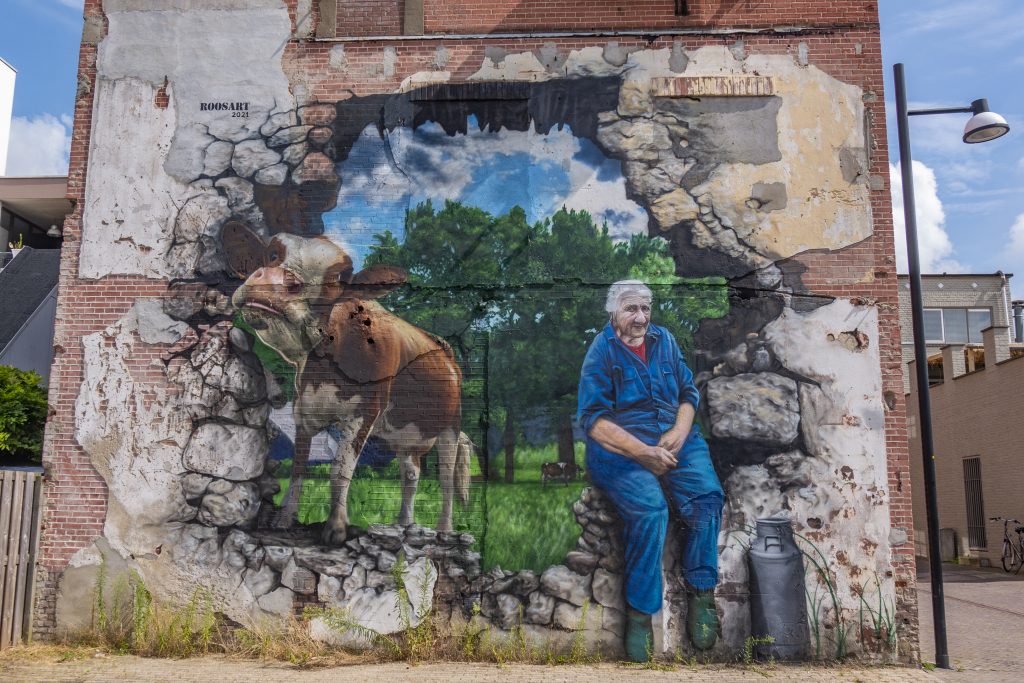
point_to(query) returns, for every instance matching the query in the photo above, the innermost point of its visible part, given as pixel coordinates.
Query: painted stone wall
(341, 295)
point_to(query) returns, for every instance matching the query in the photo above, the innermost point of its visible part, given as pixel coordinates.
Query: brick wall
(472, 16)
(843, 41)
(360, 18)
(973, 415)
(386, 17)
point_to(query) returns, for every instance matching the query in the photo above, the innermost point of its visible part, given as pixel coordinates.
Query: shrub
(22, 415)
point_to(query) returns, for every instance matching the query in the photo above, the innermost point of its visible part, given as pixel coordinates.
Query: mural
(532, 341)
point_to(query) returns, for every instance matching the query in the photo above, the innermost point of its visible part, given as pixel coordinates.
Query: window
(956, 325)
(975, 504)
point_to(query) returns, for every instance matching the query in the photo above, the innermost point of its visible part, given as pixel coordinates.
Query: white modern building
(7, 75)
(32, 209)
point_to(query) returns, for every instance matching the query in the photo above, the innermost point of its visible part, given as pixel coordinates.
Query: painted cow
(358, 366)
(562, 471)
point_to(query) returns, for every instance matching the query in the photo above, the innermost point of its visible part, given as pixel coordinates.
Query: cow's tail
(463, 456)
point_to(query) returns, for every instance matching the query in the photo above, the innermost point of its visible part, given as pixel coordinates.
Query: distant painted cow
(358, 366)
(563, 471)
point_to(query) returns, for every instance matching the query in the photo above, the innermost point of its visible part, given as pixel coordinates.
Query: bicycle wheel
(1008, 556)
(1011, 560)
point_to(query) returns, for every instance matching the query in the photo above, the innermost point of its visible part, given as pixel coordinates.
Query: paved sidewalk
(206, 669)
(984, 624)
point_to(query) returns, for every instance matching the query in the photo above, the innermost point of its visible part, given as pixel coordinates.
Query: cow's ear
(243, 248)
(374, 282)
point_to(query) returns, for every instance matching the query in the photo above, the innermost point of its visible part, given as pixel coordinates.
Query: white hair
(622, 288)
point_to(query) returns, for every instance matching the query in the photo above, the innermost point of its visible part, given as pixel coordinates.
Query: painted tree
(538, 292)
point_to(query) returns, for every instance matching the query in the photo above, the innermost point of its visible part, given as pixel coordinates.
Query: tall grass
(127, 619)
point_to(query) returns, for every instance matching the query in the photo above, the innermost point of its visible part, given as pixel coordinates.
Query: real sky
(970, 198)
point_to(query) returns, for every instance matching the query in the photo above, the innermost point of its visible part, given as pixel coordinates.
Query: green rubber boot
(639, 636)
(702, 619)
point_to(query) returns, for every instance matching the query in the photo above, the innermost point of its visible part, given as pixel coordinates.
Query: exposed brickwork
(843, 41)
(46, 603)
(356, 18)
(480, 16)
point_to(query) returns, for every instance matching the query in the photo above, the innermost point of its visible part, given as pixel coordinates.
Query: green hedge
(22, 416)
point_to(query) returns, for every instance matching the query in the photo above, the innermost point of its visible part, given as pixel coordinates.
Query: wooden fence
(20, 505)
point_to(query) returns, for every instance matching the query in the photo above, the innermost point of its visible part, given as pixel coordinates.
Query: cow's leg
(409, 470)
(447, 453)
(287, 515)
(353, 437)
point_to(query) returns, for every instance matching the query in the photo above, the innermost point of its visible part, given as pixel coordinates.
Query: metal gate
(20, 498)
(976, 539)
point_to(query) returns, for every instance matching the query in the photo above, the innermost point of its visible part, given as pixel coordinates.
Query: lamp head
(985, 125)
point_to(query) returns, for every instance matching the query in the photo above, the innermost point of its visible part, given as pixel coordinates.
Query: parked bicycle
(1013, 554)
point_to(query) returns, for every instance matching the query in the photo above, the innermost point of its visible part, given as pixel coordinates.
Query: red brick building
(743, 144)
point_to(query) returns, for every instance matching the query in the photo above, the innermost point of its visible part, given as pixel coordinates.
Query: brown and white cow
(358, 366)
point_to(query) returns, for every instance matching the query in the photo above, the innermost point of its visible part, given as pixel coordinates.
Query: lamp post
(983, 126)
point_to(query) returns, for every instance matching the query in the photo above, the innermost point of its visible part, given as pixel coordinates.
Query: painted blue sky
(970, 198)
(383, 176)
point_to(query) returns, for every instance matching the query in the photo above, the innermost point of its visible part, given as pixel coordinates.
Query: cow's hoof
(333, 536)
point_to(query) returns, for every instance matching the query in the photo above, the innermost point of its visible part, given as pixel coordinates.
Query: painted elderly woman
(637, 402)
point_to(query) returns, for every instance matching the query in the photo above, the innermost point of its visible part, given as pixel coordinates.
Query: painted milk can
(778, 603)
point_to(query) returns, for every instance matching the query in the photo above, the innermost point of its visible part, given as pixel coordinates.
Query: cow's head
(291, 282)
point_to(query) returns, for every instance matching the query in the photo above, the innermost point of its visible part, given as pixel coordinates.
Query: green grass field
(524, 525)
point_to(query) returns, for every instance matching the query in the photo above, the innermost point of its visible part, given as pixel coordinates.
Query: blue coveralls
(644, 400)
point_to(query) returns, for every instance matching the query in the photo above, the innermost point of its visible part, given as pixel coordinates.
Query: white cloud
(1016, 246)
(445, 164)
(1001, 24)
(934, 246)
(605, 200)
(40, 145)
(429, 163)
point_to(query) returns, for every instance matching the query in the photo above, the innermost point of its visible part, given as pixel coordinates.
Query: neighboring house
(32, 209)
(956, 309)
(28, 303)
(32, 212)
(973, 341)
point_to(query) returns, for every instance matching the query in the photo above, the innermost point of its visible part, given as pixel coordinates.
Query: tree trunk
(566, 452)
(509, 441)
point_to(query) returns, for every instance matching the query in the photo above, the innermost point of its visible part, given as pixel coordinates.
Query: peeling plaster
(205, 55)
(819, 118)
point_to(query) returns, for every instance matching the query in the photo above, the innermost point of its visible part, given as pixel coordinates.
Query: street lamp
(983, 126)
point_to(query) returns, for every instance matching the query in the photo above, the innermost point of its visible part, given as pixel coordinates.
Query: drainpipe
(1005, 291)
(1018, 321)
